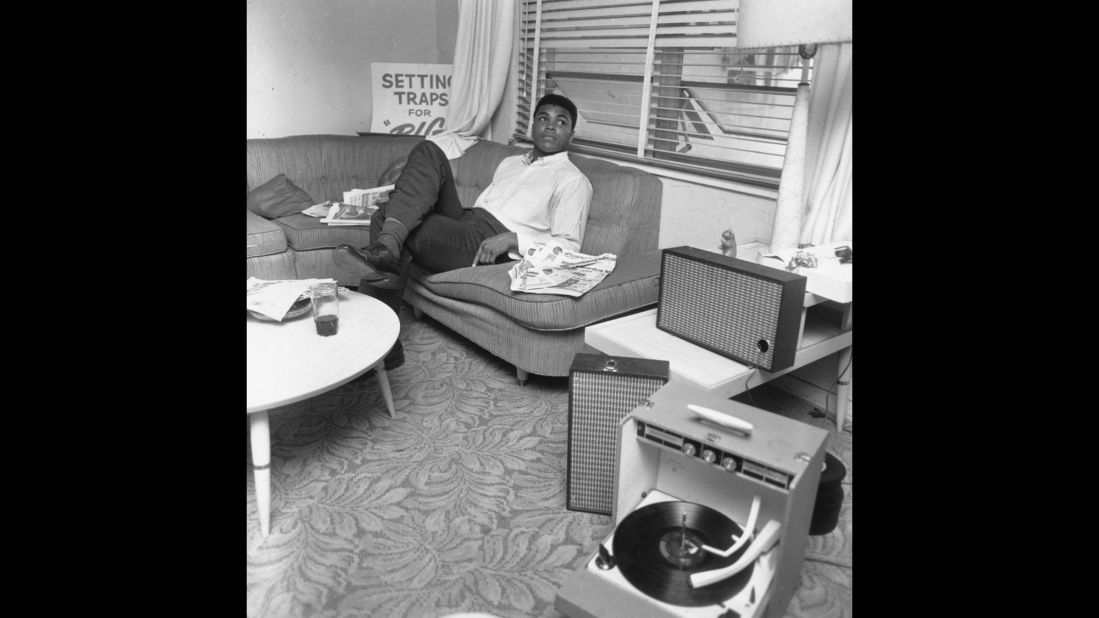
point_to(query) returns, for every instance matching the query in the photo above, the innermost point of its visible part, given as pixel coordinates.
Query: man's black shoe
(380, 257)
(374, 263)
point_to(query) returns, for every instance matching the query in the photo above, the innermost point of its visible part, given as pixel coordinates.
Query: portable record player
(713, 501)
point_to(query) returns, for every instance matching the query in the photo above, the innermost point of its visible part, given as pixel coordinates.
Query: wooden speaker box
(741, 310)
(602, 391)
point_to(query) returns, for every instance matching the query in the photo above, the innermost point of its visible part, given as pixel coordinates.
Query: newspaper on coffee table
(273, 298)
(550, 268)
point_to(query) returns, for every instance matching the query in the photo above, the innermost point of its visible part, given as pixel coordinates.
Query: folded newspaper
(549, 268)
(273, 298)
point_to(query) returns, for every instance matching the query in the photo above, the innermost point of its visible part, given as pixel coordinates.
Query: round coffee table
(288, 362)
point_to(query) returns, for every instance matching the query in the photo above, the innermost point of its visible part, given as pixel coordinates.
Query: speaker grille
(598, 401)
(731, 306)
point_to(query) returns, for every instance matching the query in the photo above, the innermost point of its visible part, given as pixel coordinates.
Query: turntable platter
(659, 546)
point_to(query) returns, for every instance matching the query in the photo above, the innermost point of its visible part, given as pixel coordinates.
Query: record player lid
(776, 441)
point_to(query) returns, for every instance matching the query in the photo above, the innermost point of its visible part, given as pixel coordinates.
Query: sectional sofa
(538, 334)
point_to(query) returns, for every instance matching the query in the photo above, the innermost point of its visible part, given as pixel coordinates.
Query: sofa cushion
(624, 217)
(277, 197)
(264, 237)
(633, 284)
(304, 233)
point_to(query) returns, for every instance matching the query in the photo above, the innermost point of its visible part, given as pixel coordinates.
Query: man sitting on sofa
(533, 198)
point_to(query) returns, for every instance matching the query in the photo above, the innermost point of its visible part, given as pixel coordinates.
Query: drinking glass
(326, 308)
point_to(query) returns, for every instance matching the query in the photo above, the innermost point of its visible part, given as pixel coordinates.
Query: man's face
(552, 129)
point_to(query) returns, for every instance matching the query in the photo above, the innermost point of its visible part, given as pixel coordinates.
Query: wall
(308, 61)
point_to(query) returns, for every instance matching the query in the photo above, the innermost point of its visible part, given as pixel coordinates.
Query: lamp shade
(778, 23)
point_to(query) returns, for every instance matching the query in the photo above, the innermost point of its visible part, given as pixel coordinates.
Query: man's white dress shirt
(539, 201)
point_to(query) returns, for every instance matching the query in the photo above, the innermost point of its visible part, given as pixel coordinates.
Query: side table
(289, 362)
(637, 335)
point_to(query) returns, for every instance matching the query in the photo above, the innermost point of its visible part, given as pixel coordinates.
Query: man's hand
(492, 247)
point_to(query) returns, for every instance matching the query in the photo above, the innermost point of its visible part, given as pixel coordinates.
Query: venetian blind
(661, 81)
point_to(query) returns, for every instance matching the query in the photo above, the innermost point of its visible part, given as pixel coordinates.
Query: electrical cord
(839, 380)
(748, 389)
(827, 561)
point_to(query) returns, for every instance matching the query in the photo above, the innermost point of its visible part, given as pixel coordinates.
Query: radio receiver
(741, 310)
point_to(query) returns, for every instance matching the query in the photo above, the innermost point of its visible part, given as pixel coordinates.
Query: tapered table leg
(843, 388)
(383, 382)
(843, 380)
(261, 467)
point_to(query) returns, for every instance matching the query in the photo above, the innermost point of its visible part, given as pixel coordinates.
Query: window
(675, 93)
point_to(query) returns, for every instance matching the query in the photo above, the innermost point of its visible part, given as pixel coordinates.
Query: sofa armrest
(263, 237)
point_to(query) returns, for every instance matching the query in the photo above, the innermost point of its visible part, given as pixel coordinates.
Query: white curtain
(790, 212)
(828, 152)
(814, 202)
(482, 56)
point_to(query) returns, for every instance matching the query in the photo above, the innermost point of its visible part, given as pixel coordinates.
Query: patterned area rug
(457, 504)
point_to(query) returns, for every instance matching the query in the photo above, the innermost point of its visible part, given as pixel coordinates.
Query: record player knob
(709, 456)
(729, 464)
(689, 448)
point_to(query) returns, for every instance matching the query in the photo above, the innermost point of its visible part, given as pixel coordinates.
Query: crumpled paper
(273, 298)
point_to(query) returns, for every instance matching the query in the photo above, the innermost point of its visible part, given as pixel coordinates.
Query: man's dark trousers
(442, 235)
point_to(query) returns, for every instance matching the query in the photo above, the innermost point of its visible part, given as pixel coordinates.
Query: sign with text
(410, 99)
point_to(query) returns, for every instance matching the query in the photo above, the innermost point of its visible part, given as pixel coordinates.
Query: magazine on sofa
(367, 197)
(349, 214)
(357, 207)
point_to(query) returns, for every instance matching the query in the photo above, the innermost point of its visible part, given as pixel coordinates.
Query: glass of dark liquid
(326, 308)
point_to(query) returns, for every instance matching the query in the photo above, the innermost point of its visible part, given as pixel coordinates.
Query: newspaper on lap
(549, 268)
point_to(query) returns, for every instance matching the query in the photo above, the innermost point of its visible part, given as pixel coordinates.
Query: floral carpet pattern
(457, 504)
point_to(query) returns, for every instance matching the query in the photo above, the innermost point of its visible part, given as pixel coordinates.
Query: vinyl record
(828, 496)
(659, 546)
(825, 518)
(822, 510)
(833, 471)
(825, 514)
(825, 523)
(829, 502)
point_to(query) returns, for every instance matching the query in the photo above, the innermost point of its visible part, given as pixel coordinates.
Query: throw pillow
(278, 197)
